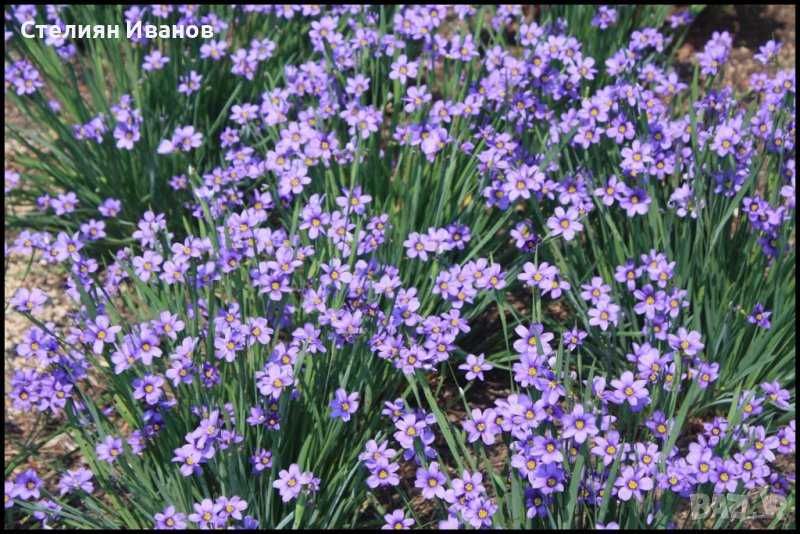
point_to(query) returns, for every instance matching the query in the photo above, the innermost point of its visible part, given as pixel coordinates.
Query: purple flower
(273, 379)
(777, 395)
(147, 264)
(753, 468)
(258, 331)
(573, 338)
(110, 207)
(335, 274)
(470, 485)
(725, 140)
(232, 507)
(630, 390)
(528, 369)
(479, 512)
(65, 203)
(767, 52)
(635, 202)
(636, 157)
(93, 230)
(725, 476)
(534, 340)
(555, 287)
(190, 459)
(595, 290)
(293, 180)
(186, 138)
(475, 366)
(419, 246)
(169, 325)
(109, 449)
(76, 479)
(627, 274)
(631, 483)
(614, 189)
(214, 50)
(604, 17)
(374, 452)
(706, 373)
(548, 478)
(686, 342)
(148, 346)
(190, 83)
(416, 96)
(547, 449)
(524, 237)
(344, 404)
(169, 519)
(228, 342)
(564, 223)
(578, 425)
(649, 301)
(357, 85)
(207, 431)
(659, 425)
(383, 473)
(605, 313)
(291, 482)
(760, 316)
(607, 447)
(715, 53)
(431, 481)
(154, 61)
(49, 511)
(26, 485)
(538, 275)
(10, 493)
(207, 514)
(126, 136)
(701, 460)
(103, 332)
(397, 521)
(28, 301)
(148, 388)
(402, 69)
(482, 426)
(314, 220)
(354, 200)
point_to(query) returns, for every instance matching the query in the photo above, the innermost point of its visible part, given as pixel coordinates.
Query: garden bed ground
(751, 26)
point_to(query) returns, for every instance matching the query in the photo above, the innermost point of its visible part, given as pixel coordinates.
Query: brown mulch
(21, 429)
(750, 26)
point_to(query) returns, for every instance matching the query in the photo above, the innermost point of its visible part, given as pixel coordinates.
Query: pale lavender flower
(343, 405)
(475, 366)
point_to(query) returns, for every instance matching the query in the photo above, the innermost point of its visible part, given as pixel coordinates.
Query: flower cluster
(599, 308)
(24, 77)
(222, 512)
(214, 433)
(185, 138)
(437, 241)
(129, 121)
(291, 482)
